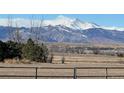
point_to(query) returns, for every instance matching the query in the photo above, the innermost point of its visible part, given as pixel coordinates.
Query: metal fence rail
(74, 71)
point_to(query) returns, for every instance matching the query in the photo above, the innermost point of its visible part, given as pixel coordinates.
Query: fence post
(75, 73)
(106, 72)
(36, 73)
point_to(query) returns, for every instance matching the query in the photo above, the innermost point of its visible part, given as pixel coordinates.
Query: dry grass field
(86, 58)
(71, 61)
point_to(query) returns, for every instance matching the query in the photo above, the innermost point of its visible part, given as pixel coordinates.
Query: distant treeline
(29, 50)
(87, 50)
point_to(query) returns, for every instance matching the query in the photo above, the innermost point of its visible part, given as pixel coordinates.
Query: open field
(92, 66)
(87, 58)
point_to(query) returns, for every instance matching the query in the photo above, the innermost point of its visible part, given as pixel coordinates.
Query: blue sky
(100, 19)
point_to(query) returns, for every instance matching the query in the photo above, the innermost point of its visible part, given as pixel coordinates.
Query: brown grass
(75, 58)
(14, 61)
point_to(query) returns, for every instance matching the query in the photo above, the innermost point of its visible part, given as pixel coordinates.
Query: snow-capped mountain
(73, 23)
(64, 29)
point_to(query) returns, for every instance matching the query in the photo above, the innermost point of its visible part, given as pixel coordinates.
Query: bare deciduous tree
(10, 24)
(17, 35)
(35, 27)
(39, 28)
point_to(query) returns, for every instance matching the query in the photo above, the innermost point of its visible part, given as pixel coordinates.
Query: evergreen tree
(13, 49)
(44, 52)
(28, 50)
(2, 50)
(35, 52)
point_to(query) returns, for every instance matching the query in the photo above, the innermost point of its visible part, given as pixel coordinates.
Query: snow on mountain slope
(113, 28)
(72, 23)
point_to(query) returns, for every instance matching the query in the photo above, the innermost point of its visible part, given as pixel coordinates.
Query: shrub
(96, 51)
(63, 60)
(45, 52)
(120, 54)
(51, 58)
(33, 52)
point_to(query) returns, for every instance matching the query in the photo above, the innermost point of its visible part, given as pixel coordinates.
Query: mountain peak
(73, 23)
(62, 17)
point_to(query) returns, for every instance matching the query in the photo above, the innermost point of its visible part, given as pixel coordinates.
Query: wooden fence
(62, 72)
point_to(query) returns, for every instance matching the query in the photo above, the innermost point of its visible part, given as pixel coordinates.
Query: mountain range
(64, 29)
